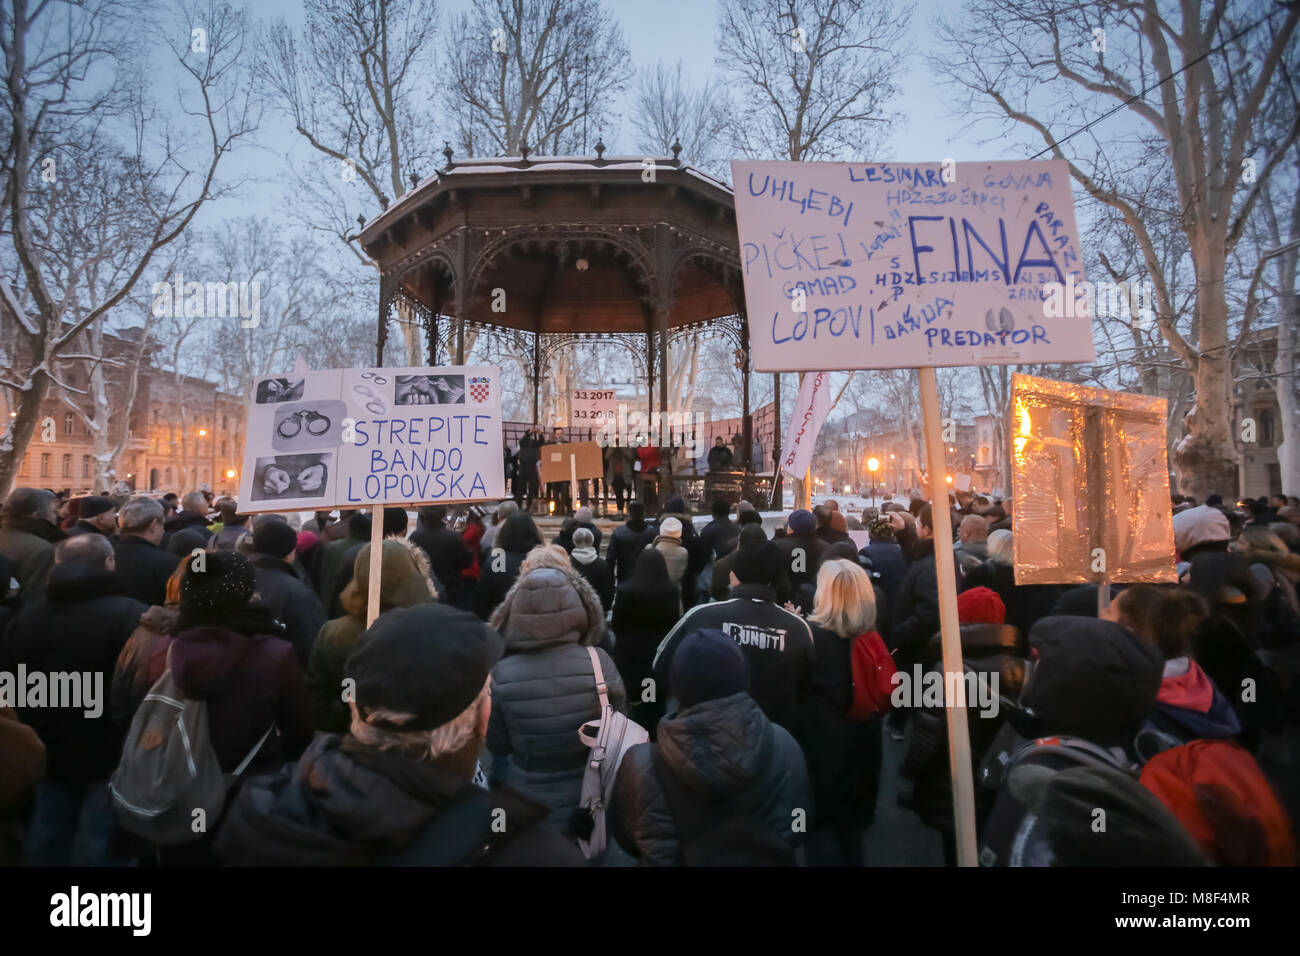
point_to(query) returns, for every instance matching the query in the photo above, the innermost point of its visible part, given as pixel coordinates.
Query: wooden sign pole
(573, 483)
(376, 562)
(959, 759)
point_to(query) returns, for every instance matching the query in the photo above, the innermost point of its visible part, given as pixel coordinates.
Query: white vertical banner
(810, 411)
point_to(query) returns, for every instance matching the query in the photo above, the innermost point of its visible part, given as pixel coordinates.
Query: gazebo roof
(563, 244)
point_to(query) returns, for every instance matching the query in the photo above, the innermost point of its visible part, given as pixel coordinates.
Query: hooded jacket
(344, 804)
(131, 674)
(544, 689)
(676, 556)
(404, 581)
(723, 750)
(1189, 707)
(588, 563)
(79, 628)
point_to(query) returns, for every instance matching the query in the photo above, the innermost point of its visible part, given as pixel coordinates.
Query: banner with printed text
(348, 438)
(896, 265)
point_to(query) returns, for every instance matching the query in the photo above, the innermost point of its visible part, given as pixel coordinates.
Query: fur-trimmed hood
(1288, 564)
(405, 579)
(549, 607)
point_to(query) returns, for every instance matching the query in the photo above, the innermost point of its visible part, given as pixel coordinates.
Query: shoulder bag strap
(602, 690)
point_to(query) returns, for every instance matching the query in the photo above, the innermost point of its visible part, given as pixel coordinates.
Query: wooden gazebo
(637, 251)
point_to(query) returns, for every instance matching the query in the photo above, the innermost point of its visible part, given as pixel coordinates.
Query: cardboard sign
(1090, 485)
(555, 460)
(592, 407)
(900, 265)
(347, 438)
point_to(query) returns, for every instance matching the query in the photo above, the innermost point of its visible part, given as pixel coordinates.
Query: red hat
(980, 606)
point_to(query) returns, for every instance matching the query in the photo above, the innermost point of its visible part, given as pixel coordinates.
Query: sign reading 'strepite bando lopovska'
(346, 438)
(901, 265)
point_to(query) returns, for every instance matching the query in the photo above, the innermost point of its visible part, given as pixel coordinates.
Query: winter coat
(971, 555)
(291, 601)
(618, 466)
(724, 750)
(1189, 707)
(625, 543)
(131, 673)
(471, 538)
(143, 568)
(801, 572)
(989, 649)
(79, 628)
(718, 538)
(1025, 603)
(331, 563)
(448, 557)
(185, 532)
(403, 582)
(588, 563)
(544, 689)
(494, 584)
(777, 643)
(720, 458)
(22, 765)
(887, 565)
(344, 804)
(640, 622)
(916, 612)
(83, 526)
(844, 756)
(676, 557)
(29, 544)
(250, 683)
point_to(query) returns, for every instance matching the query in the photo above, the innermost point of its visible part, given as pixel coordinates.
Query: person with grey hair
(28, 532)
(588, 562)
(1025, 603)
(189, 529)
(78, 627)
(143, 567)
(504, 511)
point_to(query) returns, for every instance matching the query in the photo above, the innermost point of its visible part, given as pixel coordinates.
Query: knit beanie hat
(981, 606)
(217, 581)
(761, 564)
(670, 528)
(707, 665)
(275, 538)
(803, 521)
(1198, 526)
(93, 506)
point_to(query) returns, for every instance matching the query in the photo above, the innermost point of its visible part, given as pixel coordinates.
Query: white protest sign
(345, 438)
(895, 265)
(594, 407)
(810, 410)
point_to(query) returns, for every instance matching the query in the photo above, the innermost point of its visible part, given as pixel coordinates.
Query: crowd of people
(720, 667)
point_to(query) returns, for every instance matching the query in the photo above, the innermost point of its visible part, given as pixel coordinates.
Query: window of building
(223, 447)
(45, 465)
(67, 466)
(224, 423)
(22, 465)
(85, 466)
(1265, 416)
(68, 423)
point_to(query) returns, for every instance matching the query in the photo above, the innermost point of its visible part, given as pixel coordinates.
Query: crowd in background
(735, 649)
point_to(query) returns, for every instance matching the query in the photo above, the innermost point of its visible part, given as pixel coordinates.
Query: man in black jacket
(626, 542)
(776, 642)
(407, 768)
(801, 549)
(71, 640)
(189, 529)
(278, 585)
(718, 537)
(142, 566)
(95, 515)
(28, 532)
(448, 556)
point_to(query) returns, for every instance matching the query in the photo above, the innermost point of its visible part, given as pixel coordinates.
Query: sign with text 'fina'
(347, 438)
(897, 265)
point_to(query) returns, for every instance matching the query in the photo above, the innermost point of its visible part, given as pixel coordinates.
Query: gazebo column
(385, 299)
(462, 294)
(537, 375)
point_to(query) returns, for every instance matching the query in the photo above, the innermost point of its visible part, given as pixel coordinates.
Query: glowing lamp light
(948, 479)
(202, 432)
(552, 508)
(582, 265)
(873, 464)
(230, 473)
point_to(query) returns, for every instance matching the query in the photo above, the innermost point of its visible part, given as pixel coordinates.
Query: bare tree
(814, 76)
(1193, 80)
(75, 74)
(540, 74)
(667, 109)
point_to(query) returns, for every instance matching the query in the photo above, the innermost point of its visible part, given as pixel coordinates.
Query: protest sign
(1090, 485)
(899, 265)
(593, 407)
(348, 438)
(587, 461)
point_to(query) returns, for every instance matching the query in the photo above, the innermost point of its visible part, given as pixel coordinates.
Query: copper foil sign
(1090, 485)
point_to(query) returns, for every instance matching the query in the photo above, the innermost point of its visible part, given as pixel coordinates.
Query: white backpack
(169, 770)
(609, 737)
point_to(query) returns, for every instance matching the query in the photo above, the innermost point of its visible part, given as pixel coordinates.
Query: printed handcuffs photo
(292, 425)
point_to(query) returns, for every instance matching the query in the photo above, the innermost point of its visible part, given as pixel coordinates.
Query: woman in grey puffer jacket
(544, 689)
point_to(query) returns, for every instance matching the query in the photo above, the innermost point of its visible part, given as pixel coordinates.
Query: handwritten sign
(346, 438)
(896, 265)
(594, 406)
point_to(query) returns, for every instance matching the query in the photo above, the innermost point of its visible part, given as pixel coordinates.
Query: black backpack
(712, 834)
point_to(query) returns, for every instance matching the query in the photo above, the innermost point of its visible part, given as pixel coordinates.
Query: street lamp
(872, 465)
